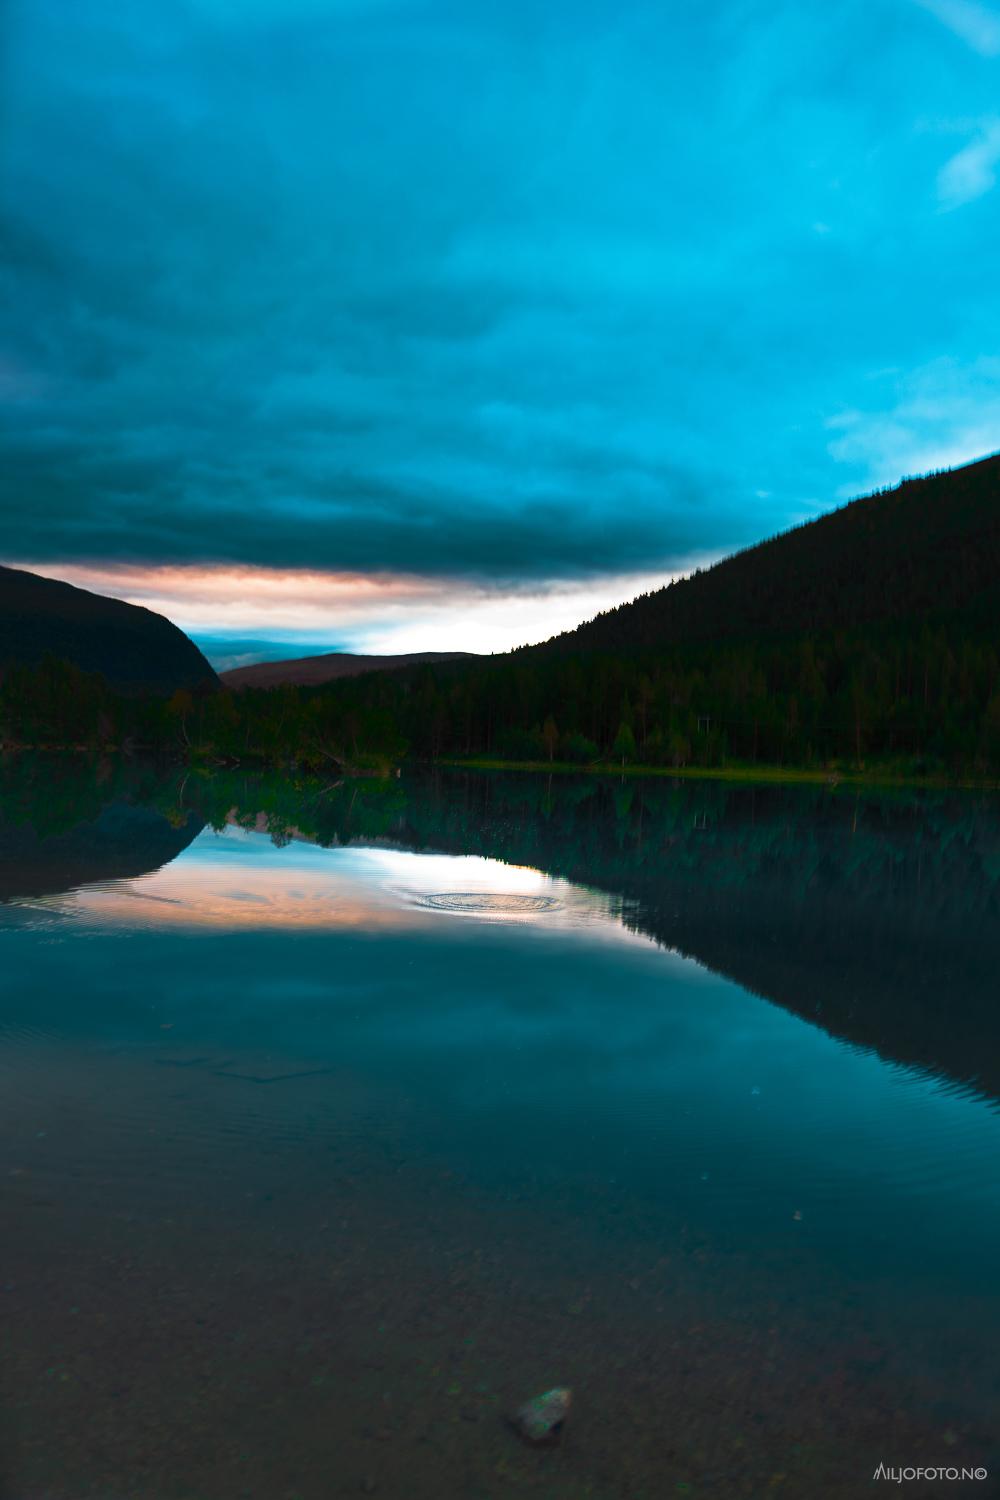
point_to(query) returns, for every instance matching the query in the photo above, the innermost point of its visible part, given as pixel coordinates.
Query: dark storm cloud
(147, 509)
(478, 291)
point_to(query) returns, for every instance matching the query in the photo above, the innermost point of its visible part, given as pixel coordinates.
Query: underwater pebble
(543, 1416)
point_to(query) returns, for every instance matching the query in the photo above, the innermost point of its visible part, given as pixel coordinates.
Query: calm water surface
(337, 1121)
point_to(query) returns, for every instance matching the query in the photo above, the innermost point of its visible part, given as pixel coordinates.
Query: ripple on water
(487, 903)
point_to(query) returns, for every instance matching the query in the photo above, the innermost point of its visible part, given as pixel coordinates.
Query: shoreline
(763, 774)
(773, 775)
(205, 762)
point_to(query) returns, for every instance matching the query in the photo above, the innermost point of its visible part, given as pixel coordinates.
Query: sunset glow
(238, 881)
(373, 613)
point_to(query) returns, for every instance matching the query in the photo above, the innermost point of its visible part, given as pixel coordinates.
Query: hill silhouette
(930, 548)
(868, 634)
(135, 649)
(867, 639)
(311, 671)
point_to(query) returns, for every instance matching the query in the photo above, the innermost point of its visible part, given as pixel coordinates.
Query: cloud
(474, 294)
(154, 498)
(971, 172)
(371, 614)
(937, 417)
(975, 24)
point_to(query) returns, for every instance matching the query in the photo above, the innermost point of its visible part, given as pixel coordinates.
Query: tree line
(925, 702)
(56, 705)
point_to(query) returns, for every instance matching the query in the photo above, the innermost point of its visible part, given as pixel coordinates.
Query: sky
(390, 325)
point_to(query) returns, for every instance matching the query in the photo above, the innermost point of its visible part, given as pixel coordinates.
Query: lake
(338, 1120)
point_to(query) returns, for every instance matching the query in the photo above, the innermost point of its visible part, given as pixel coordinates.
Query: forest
(921, 703)
(56, 705)
(926, 702)
(868, 637)
(926, 550)
(867, 640)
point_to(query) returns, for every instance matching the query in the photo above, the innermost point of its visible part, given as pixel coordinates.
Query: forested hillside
(920, 553)
(871, 634)
(311, 671)
(867, 639)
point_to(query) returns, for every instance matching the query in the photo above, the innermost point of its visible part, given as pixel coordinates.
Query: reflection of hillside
(122, 843)
(68, 824)
(873, 916)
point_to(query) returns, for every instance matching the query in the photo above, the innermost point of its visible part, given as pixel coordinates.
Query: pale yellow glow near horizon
(372, 613)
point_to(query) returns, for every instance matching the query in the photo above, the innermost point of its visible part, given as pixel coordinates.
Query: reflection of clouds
(464, 886)
(129, 892)
(202, 896)
(238, 880)
(499, 906)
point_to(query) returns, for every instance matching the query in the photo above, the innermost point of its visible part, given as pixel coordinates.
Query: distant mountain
(135, 649)
(927, 550)
(311, 671)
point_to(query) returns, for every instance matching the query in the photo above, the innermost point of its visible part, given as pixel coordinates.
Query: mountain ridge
(871, 632)
(857, 565)
(313, 671)
(134, 648)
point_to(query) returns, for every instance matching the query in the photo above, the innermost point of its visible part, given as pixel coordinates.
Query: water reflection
(875, 916)
(416, 1095)
(237, 880)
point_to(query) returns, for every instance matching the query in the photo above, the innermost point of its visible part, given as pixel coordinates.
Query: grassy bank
(830, 776)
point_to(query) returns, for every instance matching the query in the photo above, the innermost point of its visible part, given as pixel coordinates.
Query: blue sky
(392, 324)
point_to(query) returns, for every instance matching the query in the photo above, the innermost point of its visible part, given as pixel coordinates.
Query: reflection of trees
(66, 822)
(874, 915)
